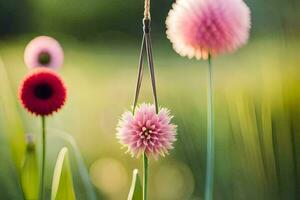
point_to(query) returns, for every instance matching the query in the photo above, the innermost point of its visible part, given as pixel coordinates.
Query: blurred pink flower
(146, 131)
(198, 28)
(43, 51)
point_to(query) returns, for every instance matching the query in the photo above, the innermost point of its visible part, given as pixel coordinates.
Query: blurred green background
(257, 98)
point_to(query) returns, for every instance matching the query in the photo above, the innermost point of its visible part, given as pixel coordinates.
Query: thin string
(147, 9)
(146, 44)
(151, 68)
(140, 75)
(142, 51)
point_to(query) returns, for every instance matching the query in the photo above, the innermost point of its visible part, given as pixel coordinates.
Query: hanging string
(151, 67)
(140, 75)
(146, 45)
(147, 9)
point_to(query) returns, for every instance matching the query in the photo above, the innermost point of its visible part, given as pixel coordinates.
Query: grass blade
(136, 190)
(62, 183)
(82, 169)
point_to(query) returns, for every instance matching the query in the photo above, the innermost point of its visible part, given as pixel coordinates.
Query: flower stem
(210, 136)
(145, 178)
(42, 188)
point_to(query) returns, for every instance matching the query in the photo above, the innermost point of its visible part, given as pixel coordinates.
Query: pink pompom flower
(147, 132)
(199, 28)
(44, 51)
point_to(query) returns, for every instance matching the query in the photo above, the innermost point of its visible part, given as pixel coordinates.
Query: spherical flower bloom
(42, 92)
(44, 51)
(199, 28)
(147, 132)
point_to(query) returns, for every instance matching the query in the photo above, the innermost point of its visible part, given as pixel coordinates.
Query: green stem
(42, 188)
(210, 136)
(145, 179)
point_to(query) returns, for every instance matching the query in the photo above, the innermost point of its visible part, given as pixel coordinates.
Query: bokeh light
(174, 181)
(110, 176)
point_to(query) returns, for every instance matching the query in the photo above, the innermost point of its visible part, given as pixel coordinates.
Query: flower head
(147, 132)
(42, 92)
(43, 51)
(199, 28)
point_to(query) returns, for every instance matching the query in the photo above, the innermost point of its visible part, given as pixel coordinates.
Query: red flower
(42, 92)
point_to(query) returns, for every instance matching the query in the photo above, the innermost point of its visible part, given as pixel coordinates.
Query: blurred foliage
(14, 17)
(12, 124)
(12, 140)
(30, 171)
(118, 19)
(83, 185)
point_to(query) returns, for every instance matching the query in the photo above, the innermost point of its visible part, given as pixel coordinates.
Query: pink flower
(43, 51)
(198, 28)
(146, 131)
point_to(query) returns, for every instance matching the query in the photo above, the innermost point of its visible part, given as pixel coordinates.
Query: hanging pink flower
(198, 28)
(146, 131)
(44, 51)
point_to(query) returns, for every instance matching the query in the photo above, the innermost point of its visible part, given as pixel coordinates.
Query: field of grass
(257, 97)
